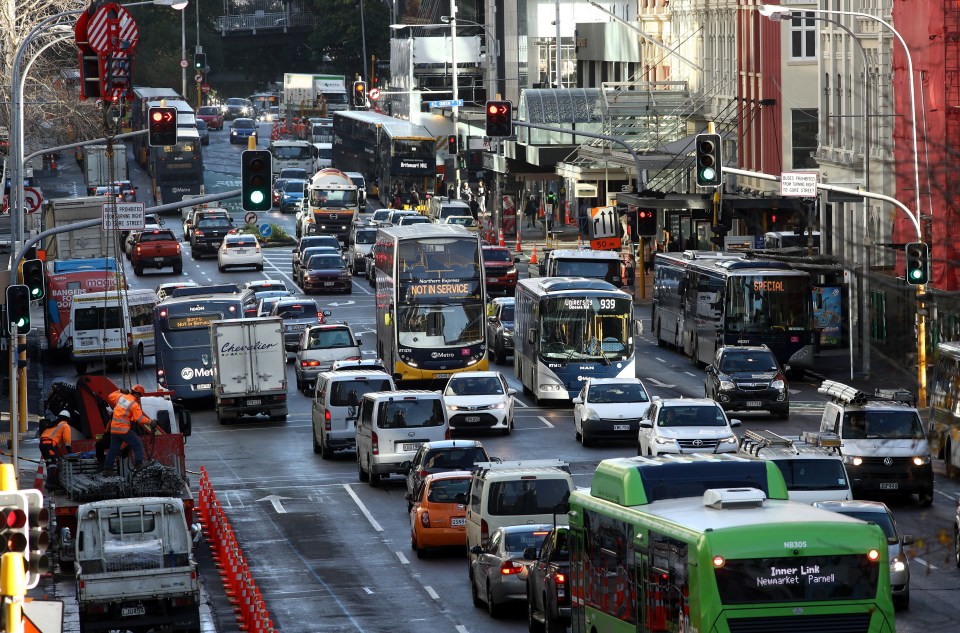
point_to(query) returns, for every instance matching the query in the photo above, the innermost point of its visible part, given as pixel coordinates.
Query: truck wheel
(81, 368)
(138, 359)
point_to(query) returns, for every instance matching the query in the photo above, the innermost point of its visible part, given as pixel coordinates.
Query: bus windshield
(440, 325)
(761, 303)
(585, 329)
(410, 148)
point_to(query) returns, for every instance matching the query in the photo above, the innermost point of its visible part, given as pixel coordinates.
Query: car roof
(295, 300)
(354, 373)
(688, 402)
(237, 237)
(447, 474)
(449, 444)
(853, 505)
(615, 381)
(477, 374)
(535, 527)
(745, 348)
(264, 282)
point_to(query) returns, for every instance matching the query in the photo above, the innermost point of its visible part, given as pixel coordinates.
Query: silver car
(319, 347)
(498, 571)
(297, 315)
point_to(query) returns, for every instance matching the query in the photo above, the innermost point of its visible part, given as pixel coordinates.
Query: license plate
(328, 283)
(621, 427)
(492, 279)
(240, 251)
(754, 403)
(204, 385)
(889, 485)
(410, 447)
(472, 418)
(254, 402)
(443, 375)
(458, 521)
(129, 611)
(158, 260)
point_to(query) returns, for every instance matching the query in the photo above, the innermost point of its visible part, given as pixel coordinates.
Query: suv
(198, 213)
(360, 241)
(500, 328)
(297, 315)
(501, 270)
(685, 425)
(320, 346)
(811, 463)
(442, 456)
(335, 406)
(746, 378)
(884, 446)
(207, 234)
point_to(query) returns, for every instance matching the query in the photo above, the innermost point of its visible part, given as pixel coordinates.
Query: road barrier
(238, 583)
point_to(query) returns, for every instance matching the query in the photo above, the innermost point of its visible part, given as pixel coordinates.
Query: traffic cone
(518, 240)
(567, 217)
(501, 240)
(533, 255)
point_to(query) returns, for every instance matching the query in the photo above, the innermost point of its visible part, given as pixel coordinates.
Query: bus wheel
(138, 359)
(660, 341)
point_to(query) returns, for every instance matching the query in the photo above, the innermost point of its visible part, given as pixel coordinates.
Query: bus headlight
(727, 385)
(921, 460)
(852, 460)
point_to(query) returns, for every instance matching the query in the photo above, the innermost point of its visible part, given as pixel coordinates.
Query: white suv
(686, 425)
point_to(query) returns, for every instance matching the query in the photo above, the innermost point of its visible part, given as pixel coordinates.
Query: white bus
(112, 326)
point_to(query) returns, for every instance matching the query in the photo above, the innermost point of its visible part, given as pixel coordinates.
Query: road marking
(433, 594)
(690, 373)
(940, 492)
(546, 421)
(363, 508)
(275, 502)
(368, 590)
(461, 629)
(658, 383)
(794, 391)
(361, 288)
(520, 403)
(283, 274)
(660, 359)
(924, 563)
(403, 559)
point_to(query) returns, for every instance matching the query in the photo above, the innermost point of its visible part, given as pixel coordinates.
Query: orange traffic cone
(533, 255)
(518, 240)
(567, 217)
(501, 240)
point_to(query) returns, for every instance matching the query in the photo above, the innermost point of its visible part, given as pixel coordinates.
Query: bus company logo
(412, 164)
(189, 373)
(180, 189)
(768, 286)
(196, 308)
(442, 355)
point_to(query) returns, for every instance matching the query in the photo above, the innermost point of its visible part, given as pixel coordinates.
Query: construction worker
(127, 414)
(56, 438)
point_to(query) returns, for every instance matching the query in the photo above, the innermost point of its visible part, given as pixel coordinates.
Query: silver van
(441, 208)
(392, 426)
(336, 404)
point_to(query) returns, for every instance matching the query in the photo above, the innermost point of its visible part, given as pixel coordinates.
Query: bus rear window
(798, 579)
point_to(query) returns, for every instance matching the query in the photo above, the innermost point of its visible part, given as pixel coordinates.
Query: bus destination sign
(447, 288)
(193, 321)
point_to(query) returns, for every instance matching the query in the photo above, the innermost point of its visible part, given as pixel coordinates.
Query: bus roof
(577, 285)
(427, 231)
(394, 128)
(583, 253)
(155, 93)
(62, 266)
(727, 264)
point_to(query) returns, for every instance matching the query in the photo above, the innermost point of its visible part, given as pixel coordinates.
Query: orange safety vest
(57, 436)
(127, 411)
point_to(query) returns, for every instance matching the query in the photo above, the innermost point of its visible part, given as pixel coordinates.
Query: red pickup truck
(156, 249)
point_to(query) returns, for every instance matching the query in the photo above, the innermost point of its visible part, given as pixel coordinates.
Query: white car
(479, 400)
(239, 249)
(686, 425)
(609, 409)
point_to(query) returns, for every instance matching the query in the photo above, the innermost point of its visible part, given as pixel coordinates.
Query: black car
(306, 242)
(748, 378)
(326, 272)
(500, 328)
(237, 107)
(207, 235)
(442, 456)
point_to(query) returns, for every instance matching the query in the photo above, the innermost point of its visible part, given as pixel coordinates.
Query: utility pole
(455, 110)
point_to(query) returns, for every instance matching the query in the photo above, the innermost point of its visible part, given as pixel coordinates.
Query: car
(686, 425)
(498, 570)
(393, 219)
(442, 456)
(212, 116)
(239, 250)
(156, 248)
(372, 364)
(265, 304)
(609, 409)
(269, 115)
(277, 190)
(203, 131)
(292, 193)
(325, 272)
(319, 347)
(748, 378)
(166, 289)
(380, 217)
(360, 242)
(198, 213)
(126, 192)
(237, 107)
(409, 220)
(262, 286)
(437, 514)
(335, 407)
(294, 172)
(297, 315)
(115, 190)
(479, 400)
(500, 326)
(501, 270)
(877, 512)
(242, 129)
(307, 254)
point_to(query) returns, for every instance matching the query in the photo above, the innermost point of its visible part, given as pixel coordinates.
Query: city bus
(69, 277)
(568, 329)
(430, 301)
(182, 334)
(388, 152)
(944, 429)
(704, 300)
(709, 543)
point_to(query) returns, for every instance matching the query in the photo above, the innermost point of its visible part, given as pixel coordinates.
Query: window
(527, 496)
(803, 36)
(347, 393)
(804, 137)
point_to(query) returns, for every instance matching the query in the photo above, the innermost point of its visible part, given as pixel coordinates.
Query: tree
(337, 39)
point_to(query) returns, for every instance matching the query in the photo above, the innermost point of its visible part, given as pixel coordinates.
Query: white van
(112, 326)
(336, 403)
(442, 208)
(514, 493)
(392, 426)
(323, 153)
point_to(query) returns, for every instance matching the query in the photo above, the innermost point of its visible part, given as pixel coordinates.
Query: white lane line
(368, 590)
(690, 373)
(283, 274)
(362, 287)
(546, 421)
(433, 594)
(948, 496)
(660, 359)
(403, 559)
(923, 562)
(520, 403)
(461, 629)
(363, 508)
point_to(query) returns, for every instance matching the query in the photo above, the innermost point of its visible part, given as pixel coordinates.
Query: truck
(81, 244)
(96, 166)
(296, 154)
(249, 368)
(578, 262)
(309, 95)
(333, 202)
(548, 584)
(135, 568)
(156, 249)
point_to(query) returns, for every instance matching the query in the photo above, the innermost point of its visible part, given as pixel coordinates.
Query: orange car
(438, 517)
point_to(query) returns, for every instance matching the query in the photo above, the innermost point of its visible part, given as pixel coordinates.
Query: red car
(212, 116)
(501, 270)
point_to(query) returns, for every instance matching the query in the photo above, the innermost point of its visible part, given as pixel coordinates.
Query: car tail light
(309, 363)
(448, 435)
(326, 421)
(138, 249)
(352, 358)
(375, 441)
(178, 249)
(198, 232)
(484, 531)
(510, 567)
(560, 580)
(425, 519)
(129, 340)
(320, 318)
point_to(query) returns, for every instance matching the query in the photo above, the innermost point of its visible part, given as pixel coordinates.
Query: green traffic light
(256, 197)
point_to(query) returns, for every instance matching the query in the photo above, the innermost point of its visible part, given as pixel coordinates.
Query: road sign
(798, 184)
(184, 63)
(604, 223)
(43, 616)
(32, 199)
(112, 30)
(266, 230)
(205, 88)
(374, 94)
(250, 218)
(129, 216)
(449, 103)
(198, 78)
(606, 244)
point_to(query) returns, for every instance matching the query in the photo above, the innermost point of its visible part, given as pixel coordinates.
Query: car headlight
(898, 564)
(727, 385)
(508, 331)
(659, 439)
(729, 440)
(852, 460)
(233, 132)
(512, 270)
(452, 407)
(499, 405)
(777, 384)
(592, 415)
(921, 460)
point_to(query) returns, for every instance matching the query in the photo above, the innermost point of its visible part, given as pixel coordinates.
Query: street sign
(184, 63)
(198, 78)
(32, 199)
(606, 244)
(129, 216)
(43, 616)
(798, 184)
(604, 223)
(374, 94)
(112, 30)
(250, 218)
(449, 103)
(266, 230)
(205, 88)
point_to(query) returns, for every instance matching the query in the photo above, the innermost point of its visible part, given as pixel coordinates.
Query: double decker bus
(430, 301)
(944, 428)
(709, 543)
(568, 329)
(387, 151)
(69, 277)
(704, 300)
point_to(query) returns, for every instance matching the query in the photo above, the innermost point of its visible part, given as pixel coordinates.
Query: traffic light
(163, 126)
(31, 274)
(709, 167)
(452, 144)
(646, 222)
(359, 94)
(18, 307)
(255, 180)
(14, 531)
(499, 115)
(200, 61)
(38, 537)
(719, 231)
(918, 268)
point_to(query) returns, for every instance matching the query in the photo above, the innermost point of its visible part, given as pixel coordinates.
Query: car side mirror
(646, 424)
(735, 423)
(408, 496)
(577, 400)
(476, 550)
(530, 553)
(511, 391)
(708, 369)
(907, 539)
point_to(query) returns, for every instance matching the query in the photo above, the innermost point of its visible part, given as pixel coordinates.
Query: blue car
(242, 129)
(292, 193)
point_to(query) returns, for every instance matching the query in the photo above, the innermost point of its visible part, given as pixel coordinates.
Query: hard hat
(138, 390)
(64, 414)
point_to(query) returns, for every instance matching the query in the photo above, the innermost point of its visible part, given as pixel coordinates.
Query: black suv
(207, 235)
(500, 328)
(747, 378)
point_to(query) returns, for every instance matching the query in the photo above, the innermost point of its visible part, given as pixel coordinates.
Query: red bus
(69, 277)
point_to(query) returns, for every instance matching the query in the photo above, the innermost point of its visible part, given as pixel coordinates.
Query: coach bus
(709, 543)
(69, 277)
(430, 301)
(705, 300)
(389, 152)
(568, 329)
(944, 428)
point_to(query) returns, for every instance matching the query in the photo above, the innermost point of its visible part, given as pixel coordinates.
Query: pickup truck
(156, 249)
(207, 235)
(134, 566)
(548, 583)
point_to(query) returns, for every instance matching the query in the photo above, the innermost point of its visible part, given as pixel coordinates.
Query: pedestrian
(482, 197)
(465, 193)
(531, 211)
(127, 415)
(56, 438)
(414, 199)
(582, 218)
(395, 201)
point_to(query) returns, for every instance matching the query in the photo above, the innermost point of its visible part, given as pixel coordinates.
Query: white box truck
(305, 94)
(96, 166)
(81, 244)
(249, 368)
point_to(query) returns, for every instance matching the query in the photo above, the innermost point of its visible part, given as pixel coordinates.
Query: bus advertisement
(69, 277)
(568, 329)
(430, 301)
(710, 543)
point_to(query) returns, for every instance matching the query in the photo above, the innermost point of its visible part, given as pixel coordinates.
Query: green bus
(710, 544)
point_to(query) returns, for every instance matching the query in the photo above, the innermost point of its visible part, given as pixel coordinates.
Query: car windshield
(325, 262)
(474, 386)
(297, 310)
(449, 490)
(201, 124)
(455, 458)
(295, 186)
(691, 416)
(615, 394)
(516, 542)
(496, 255)
(748, 362)
(367, 236)
(381, 215)
(158, 236)
(890, 425)
(211, 110)
(244, 123)
(235, 101)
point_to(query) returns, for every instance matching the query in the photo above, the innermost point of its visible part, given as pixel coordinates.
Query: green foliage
(338, 35)
(278, 236)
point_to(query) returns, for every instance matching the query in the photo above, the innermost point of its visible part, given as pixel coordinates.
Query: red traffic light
(14, 518)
